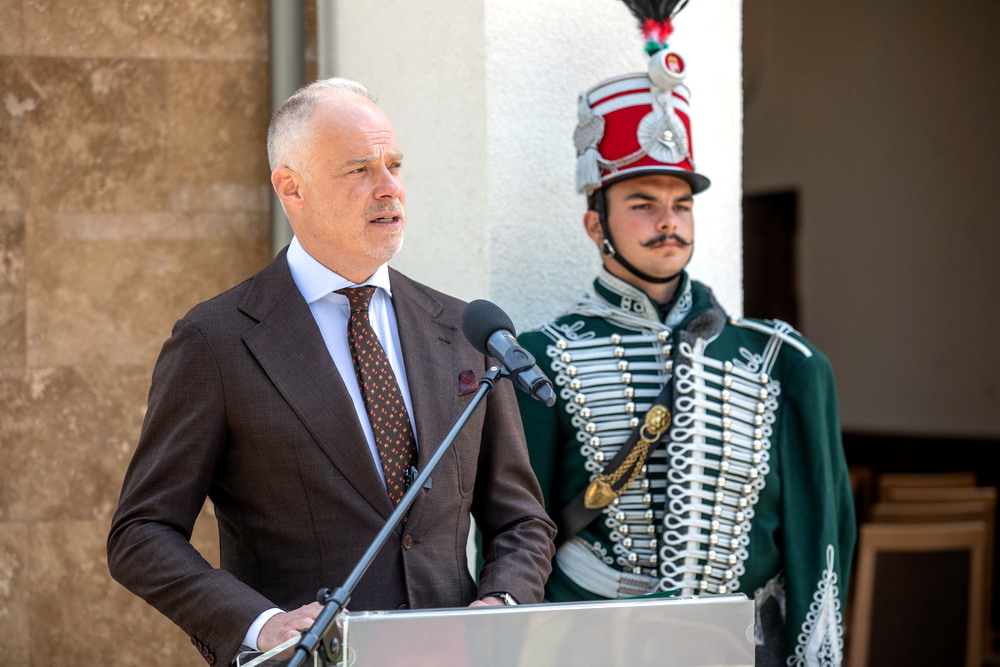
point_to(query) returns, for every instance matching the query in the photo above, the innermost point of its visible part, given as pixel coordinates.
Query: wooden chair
(918, 595)
(982, 508)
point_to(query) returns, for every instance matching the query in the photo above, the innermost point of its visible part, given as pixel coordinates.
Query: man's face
(351, 214)
(651, 222)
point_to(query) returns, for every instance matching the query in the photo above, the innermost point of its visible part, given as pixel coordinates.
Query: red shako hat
(639, 123)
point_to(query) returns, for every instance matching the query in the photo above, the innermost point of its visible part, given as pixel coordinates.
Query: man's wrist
(507, 599)
(253, 632)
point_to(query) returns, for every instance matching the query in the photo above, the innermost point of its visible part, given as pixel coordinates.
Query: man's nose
(667, 222)
(389, 186)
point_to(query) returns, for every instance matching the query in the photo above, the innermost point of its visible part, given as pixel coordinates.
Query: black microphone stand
(323, 636)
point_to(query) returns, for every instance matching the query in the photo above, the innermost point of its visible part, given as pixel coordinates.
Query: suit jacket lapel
(289, 347)
(429, 358)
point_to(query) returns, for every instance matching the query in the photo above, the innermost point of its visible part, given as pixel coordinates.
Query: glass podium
(691, 631)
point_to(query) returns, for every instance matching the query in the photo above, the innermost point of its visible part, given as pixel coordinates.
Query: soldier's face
(652, 224)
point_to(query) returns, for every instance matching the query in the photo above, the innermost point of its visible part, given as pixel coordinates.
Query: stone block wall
(133, 184)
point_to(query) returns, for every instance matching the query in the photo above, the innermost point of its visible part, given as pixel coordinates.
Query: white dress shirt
(318, 286)
(331, 311)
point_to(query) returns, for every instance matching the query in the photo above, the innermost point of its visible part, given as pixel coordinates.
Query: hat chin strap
(608, 248)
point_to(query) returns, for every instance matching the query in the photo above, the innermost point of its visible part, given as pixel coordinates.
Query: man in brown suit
(255, 405)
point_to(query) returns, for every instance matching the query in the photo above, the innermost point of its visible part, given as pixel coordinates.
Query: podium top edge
(731, 599)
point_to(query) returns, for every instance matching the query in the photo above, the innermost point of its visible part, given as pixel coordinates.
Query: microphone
(490, 331)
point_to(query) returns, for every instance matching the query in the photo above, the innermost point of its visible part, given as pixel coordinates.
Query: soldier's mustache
(660, 238)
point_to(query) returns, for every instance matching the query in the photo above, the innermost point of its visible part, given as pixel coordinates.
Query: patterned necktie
(387, 414)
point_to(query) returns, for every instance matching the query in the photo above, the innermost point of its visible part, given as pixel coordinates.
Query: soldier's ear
(592, 225)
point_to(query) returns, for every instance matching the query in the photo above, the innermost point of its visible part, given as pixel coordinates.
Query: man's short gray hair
(289, 123)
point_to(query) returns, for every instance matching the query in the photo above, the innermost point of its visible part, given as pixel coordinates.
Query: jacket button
(210, 659)
(403, 606)
(407, 542)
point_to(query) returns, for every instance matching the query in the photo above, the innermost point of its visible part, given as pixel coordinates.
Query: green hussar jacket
(749, 490)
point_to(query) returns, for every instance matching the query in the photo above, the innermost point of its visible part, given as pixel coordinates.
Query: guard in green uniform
(688, 450)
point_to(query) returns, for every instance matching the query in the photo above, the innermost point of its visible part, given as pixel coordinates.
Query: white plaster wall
(426, 61)
(540, 57)
(483, 96)
(884, 116)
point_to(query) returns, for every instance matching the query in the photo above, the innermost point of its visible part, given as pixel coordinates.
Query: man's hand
(282, 627)
(491, 601)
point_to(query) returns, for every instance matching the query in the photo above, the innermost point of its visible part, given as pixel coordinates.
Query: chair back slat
(937, 493)
(925, 479)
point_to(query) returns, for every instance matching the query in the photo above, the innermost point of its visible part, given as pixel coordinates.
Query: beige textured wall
(133, 183)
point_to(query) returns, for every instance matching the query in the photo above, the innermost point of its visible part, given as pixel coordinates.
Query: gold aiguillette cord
(605, 487)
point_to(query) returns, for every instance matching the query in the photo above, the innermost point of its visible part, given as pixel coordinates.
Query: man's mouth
(386, 215)
(387, 218)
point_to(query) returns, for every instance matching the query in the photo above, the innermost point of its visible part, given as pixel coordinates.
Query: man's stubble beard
(385, 245)
(385, 248)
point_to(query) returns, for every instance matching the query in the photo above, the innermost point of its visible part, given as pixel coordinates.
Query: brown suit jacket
(247, 408)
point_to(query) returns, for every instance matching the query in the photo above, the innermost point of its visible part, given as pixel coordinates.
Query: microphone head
(480, 320)
(542, 391)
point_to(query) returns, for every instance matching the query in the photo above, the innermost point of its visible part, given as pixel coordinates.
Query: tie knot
(359, 297)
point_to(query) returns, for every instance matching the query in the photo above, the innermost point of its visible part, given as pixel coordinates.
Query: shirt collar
(316, 281)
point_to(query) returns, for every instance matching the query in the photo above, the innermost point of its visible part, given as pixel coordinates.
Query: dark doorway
(770, 225)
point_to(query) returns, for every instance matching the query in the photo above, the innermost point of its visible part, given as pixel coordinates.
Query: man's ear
(287, 184)
(592, 225)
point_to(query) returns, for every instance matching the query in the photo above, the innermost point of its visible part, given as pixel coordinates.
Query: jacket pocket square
(467, 383)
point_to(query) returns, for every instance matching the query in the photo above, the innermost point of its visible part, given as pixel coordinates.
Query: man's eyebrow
(641, 195)
(372, 157)
(645, 196)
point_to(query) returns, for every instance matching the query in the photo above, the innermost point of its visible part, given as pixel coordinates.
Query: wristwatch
(508, 599)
